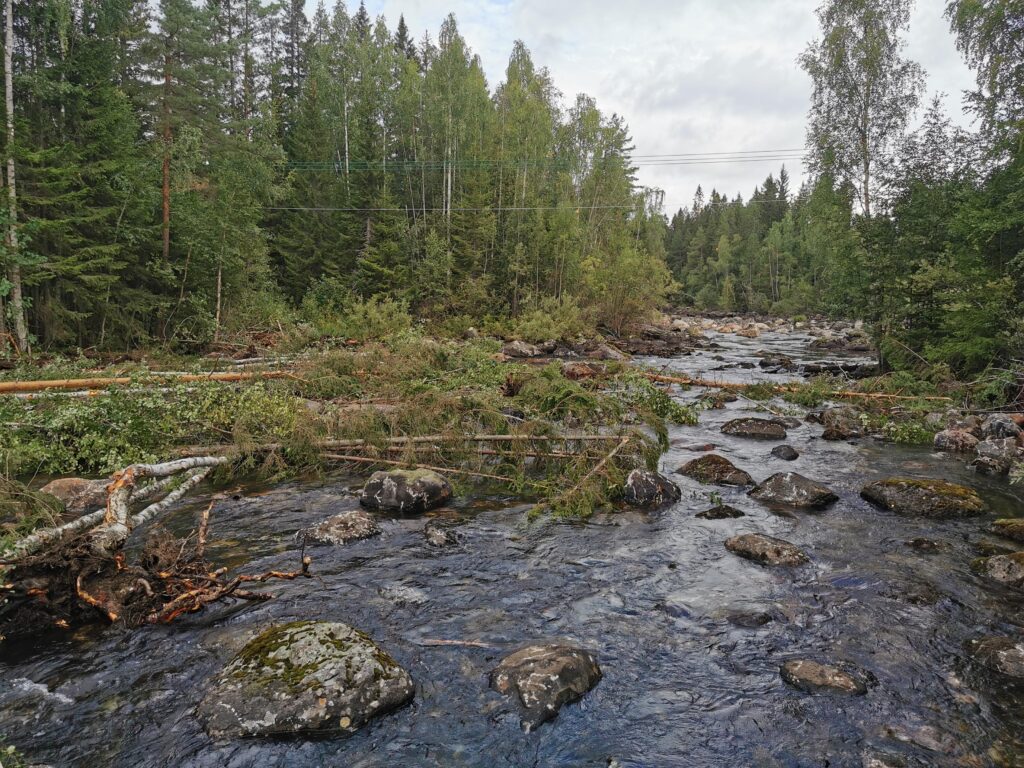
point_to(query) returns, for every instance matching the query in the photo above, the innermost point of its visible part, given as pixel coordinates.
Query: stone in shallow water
(813, 677)
(785, 452)
(405, 490)
(342, 528)
(715, 469)
(1004, 655)
(1011, 528)
(766, 550)
(926, 545)
(955, 441)
(1006, 569)
(996, 455)
(650, 489)
(760, 429)
(720, 512)
(935, 499)
(306, 677)
(441, 533)
(544, 678)
(750, 619)
(793, 490)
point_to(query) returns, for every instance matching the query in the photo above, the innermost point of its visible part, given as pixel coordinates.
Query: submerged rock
(1006, 569)
(715, 469)
(77, 494)
(441, 534)
(758, 429)
(911, 496)
(1004, 655)
(955, 441)
(926, 545)
(544, 678)
(766, 550)
(302, 678)
(650, 489)
(812, 677)
(720, 512)
(793, 490)
(1011, 528)
(749, 619)
(405, 490)
(785, 452)
(342, 528)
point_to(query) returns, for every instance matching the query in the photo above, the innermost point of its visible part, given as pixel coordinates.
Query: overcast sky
(690, 76)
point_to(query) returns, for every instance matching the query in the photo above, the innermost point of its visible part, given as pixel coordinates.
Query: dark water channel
(656, 596)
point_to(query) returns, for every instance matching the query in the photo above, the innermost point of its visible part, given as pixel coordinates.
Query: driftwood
(392, 463)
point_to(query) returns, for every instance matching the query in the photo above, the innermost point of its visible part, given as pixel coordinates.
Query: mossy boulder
(306, 677)
(1006, 569)
(757, 429)
(789, 489)
(716, 470)
(1011, 528)
(917, 497)
(544, 678)
(405, 490)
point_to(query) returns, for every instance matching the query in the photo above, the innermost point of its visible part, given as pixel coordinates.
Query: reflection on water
(690, 638)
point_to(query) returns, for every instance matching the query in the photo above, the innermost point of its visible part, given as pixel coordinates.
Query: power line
(455, 210)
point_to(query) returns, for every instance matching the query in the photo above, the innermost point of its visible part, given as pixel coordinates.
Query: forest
(188, 171)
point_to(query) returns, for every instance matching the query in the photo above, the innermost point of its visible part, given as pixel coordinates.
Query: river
(655, 596)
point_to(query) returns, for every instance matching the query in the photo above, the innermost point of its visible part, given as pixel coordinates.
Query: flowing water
(656, 596)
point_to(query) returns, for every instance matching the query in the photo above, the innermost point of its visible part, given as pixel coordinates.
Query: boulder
(544, 678)
(915, 497)
(1011, 528)
(77, 494)
(750, 333)
(716, 470)
(1006, 569)
(405, 490)
(766, 550)
(998, 426)
(955, 441)
(342, 528)
(995, 455)
(840, 423)
(520, 349)
(606, 352)
(650, 489)
(813, 677)
(306, 677)
(760, 429)
(785, 452)
(1003, 655)
(793, 490)
(969, 423)
(720, 512)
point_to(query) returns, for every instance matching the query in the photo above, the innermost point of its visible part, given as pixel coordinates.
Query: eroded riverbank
(690, 638)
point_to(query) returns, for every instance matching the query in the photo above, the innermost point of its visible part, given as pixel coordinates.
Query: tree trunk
(17, 301)
(216, 322)
(166, 172)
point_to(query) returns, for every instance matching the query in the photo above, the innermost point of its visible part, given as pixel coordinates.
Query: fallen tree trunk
(15, 387)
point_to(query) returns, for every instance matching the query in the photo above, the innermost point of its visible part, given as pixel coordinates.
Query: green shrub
(552, 318)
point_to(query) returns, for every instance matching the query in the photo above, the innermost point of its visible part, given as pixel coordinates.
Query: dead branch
(586, 478)
(392, 463)
(13, 387)
(740, 387)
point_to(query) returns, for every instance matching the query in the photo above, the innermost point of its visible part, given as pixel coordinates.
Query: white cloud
(688, 75)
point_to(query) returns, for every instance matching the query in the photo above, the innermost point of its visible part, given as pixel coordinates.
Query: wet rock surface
(790, 489)
(840, 423)
(344, 527)
(720, 512)
(442, 533)
(303, 678)
(955, 441)
(755, 428)
(785, 452)
(1011, 528)
(649, 489)
(766, 550)
(937, 499)
(544, 678)
(1003, 655)
(996, 455)
(814, 677)
(405, 490)
(716, 470)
